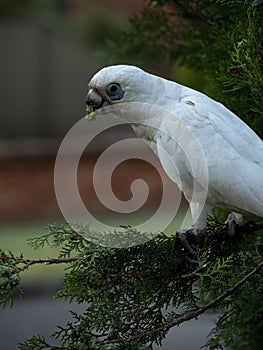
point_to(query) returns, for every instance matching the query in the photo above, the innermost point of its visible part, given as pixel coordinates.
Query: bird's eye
(114, 91)
(113, 87)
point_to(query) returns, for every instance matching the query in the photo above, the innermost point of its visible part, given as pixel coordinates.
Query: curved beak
(94, 100)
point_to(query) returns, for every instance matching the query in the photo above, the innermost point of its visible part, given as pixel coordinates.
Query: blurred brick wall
(27, 182)
(26, 188)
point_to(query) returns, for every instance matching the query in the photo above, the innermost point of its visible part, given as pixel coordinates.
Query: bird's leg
(197, 233)
(185, 236)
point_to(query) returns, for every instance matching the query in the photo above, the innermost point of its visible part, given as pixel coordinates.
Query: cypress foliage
(133, 296)
(222, 39)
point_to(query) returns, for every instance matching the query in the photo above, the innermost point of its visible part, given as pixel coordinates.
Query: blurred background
(49, 51)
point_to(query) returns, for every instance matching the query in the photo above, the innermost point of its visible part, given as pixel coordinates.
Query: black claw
(192, 234)
(182, 236)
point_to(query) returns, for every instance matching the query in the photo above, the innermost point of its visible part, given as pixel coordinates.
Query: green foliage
(9, 278)
(156, 44)
(134, 295)
(221, 39)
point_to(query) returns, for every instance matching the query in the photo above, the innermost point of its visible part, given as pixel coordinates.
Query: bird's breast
(145, 132)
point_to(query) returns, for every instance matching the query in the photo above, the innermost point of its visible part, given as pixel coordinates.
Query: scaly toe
(192, 234)
(231, 225)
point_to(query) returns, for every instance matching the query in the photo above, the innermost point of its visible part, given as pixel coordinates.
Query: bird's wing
(233, 152)
(234, 131)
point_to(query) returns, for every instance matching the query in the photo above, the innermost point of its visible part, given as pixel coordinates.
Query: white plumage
(216, 153)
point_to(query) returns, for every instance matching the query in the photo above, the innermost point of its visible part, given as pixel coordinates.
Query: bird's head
(117, 84)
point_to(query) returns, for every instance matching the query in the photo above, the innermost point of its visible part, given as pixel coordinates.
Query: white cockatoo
(213, 156)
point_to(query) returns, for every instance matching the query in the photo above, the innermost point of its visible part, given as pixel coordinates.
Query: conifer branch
(190, 316)
(49, 261)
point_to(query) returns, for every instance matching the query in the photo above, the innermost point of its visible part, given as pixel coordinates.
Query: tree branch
(191, 315)
(49, 261)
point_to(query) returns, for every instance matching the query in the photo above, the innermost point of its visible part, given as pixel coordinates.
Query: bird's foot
(235, 222)
(187, 236)
(231, 224)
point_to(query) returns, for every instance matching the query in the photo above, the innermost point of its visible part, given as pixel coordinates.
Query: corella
(212, 155)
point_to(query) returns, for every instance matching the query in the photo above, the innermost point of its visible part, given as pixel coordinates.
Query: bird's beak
(94, 101)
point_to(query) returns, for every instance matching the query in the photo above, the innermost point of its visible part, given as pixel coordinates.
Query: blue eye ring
(114, 91)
